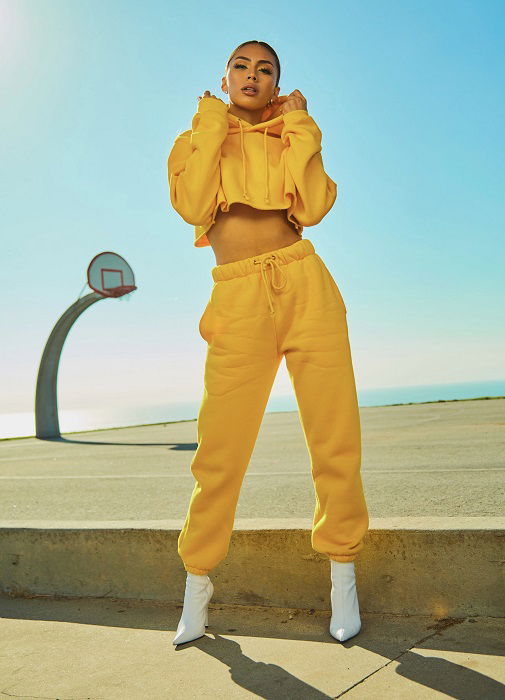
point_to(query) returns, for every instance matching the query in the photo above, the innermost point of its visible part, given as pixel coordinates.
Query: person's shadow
(264, 680)
(272, 681)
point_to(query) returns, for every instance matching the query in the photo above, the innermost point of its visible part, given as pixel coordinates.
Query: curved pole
(46, 398)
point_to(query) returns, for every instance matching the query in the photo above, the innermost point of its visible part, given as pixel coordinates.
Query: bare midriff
(244, 231)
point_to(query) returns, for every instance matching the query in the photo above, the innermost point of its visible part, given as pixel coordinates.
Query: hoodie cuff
(299, 123)
(296, 116)
(211, 104)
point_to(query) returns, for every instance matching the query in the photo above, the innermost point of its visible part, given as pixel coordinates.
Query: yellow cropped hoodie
(275, 164)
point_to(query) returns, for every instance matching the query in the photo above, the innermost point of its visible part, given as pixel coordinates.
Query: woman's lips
(252, 92)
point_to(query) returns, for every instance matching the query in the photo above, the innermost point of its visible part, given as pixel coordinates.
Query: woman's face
(252, 64)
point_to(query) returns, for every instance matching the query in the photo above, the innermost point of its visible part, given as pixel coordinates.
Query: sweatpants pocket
(338, 295)
(204, 327)
(333, 285)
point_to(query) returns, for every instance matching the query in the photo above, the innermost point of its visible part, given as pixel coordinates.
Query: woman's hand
(284, 103)
(207, 94)
(295, 101)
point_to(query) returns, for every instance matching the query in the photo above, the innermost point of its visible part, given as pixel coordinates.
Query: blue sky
(409, 97)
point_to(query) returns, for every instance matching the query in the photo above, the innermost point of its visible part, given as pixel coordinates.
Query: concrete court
(443, 459)
(122, 650)
(432, 459)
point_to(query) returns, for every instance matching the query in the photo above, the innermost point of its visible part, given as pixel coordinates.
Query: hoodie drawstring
(244, 177)
(246, 196)
(270, 260)
(267, 193)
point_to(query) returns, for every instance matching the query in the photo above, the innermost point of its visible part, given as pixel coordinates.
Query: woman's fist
(207, 94)
(295, 101)
(284, 103)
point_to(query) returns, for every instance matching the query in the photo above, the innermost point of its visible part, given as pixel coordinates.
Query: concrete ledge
(442, 567)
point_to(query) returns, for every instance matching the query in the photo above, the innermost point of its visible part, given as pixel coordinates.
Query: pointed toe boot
(195, 614)
(345, 619)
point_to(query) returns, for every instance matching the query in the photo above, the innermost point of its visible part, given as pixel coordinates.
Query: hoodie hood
(270, 127)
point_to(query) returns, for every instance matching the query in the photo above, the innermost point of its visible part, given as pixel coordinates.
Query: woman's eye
(241, 65)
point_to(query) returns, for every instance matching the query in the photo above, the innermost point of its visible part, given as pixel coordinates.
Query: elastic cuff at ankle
(193, 570)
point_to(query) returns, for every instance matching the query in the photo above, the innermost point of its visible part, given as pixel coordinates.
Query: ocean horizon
(22, 424)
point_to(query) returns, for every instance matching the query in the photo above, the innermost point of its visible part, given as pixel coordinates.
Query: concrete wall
(443, 567)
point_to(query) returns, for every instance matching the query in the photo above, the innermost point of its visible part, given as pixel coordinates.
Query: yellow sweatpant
(281, 303)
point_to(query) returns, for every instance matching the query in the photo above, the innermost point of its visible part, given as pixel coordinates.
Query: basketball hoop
(110, 275)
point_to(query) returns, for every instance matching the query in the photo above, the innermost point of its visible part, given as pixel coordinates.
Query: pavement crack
(439, 626)
(43, 697)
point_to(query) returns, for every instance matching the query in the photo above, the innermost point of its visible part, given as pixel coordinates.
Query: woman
(249, 176)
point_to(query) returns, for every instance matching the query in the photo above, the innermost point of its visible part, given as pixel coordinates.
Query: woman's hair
(268, 47)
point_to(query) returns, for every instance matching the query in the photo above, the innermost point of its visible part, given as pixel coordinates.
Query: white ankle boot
(195, 614)
(345, 620)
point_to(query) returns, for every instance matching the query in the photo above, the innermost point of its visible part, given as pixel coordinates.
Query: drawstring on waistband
(271, 260)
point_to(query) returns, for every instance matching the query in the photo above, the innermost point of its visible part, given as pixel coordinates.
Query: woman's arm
(193, 163)
(315, 190)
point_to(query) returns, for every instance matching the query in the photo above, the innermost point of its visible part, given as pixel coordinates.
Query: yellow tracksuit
(283, 303)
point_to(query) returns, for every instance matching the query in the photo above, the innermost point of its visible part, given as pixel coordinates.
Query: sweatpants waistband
(254, 264)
